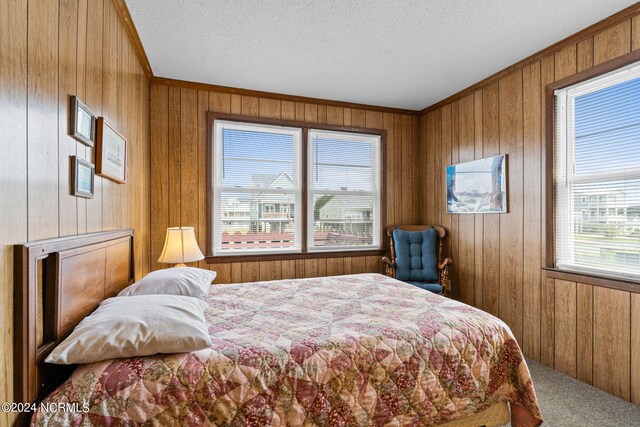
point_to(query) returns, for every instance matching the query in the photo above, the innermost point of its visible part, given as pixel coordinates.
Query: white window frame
(375, 141)
(565, 176)
(218, 188)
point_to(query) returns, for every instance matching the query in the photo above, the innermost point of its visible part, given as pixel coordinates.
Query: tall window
(598, 175)
(258, 189)
(343, 190)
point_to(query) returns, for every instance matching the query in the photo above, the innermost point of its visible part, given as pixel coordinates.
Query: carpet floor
(565, 401)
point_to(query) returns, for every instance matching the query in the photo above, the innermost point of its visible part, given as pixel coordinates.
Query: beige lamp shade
(180, 246)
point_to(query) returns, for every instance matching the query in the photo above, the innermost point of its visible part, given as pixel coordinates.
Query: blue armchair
(417, 257)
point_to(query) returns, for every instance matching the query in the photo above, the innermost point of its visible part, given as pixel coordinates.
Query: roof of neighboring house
(348, 201)
(265, 180)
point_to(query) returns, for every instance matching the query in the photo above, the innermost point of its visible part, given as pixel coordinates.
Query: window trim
(304, 252)
(550, 169)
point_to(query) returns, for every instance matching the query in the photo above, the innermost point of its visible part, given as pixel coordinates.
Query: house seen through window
(598, 175)
(258, 189)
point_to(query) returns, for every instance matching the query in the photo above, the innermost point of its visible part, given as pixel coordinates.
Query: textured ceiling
(395, 53)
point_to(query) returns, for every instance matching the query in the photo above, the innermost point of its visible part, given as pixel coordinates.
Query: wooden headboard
(57, 283)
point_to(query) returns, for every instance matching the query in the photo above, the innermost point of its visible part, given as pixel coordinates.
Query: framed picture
(82, 178)
(82, 122)
(111, 152)
(479, 186)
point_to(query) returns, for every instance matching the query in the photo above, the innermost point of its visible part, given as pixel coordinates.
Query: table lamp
(180, 246)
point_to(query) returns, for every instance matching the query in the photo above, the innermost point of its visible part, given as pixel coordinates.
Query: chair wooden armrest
(443, 267)
(446, 262)
(389, 267)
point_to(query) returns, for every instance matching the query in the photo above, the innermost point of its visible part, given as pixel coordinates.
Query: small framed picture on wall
(111, 152)
(82, 122)
(82, 178)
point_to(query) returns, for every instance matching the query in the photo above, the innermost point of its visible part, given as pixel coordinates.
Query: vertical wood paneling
(547, 323)
(250, 272)
(236, 104)
(491, 226)
(565, 327)
(201, 191)
(611, 43)
(585, 54)
(438, 168)
(159, 106)
(310, 268)
(250, 105)
(288, 269)
(175, 153)
(223, 273)
(270, 270)
(397, 175)
(466, 223)
(68, 46)
(547, 76)
(511, 223)
(288, 110)
(335, 115)
(565, 62)
(236, 272)
(635, 32)
(635, 348)
(50, 51)
(431, 206)
(189, 141)
(532, 209)
(270, 108)
(13, 170)
(454, 219)
(392, 194)
(584, 329)
(406, 171)
(42, 121)
(611, 353)
(478, 218)
(94, 98)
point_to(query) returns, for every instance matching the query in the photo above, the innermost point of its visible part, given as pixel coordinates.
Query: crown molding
(134, 37)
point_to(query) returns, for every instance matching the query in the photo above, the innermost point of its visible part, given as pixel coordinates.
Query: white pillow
(185, 281)
(136, 326)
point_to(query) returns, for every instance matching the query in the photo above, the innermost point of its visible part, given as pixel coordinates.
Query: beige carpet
(565, 401)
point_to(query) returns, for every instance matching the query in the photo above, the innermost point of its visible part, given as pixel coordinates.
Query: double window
(293, 189)
(597, 178)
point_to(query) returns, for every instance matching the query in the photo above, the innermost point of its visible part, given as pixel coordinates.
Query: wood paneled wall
(51, 50)
(178, 171)
(590, 333)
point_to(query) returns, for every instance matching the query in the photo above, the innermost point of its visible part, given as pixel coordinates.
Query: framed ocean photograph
(82, 178)
(111, 152)
(479, 186)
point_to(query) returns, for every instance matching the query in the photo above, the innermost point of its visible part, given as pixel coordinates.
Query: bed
(340, 351)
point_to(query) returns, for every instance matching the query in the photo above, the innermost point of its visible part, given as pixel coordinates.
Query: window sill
(289, 256)
(628, 285)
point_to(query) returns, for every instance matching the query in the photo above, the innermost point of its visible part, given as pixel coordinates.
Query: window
(597, 177)
(256, 168)
(258, 189)
(343, 190)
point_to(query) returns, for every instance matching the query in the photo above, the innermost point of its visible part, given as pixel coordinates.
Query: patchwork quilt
(358, 350)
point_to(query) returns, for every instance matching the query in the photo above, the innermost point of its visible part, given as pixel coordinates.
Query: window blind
(343, 190)
(257, 188)
(597, 178)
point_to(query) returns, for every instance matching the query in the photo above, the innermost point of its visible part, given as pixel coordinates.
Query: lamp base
(180, 265)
